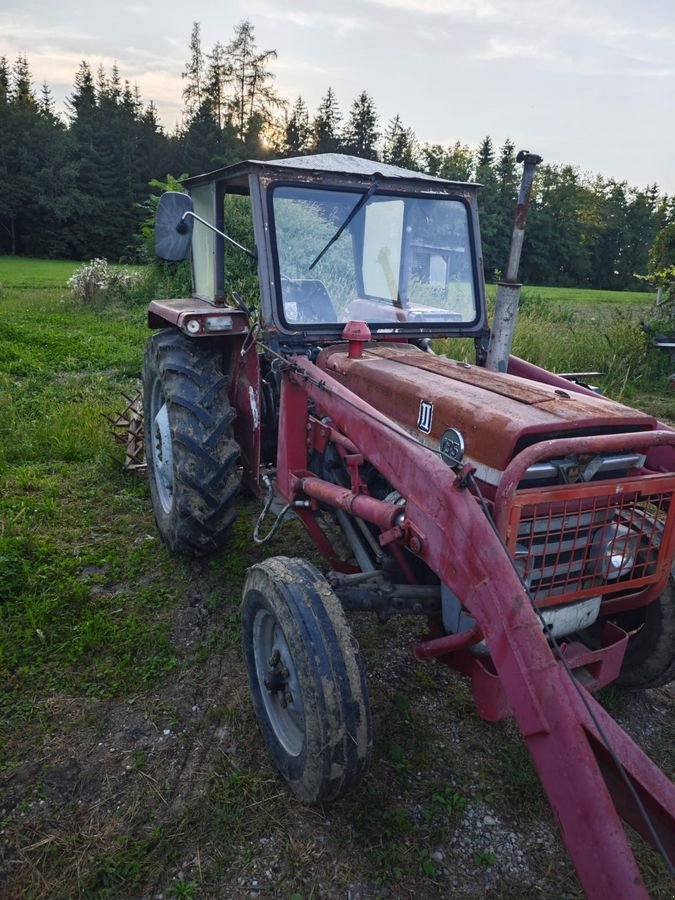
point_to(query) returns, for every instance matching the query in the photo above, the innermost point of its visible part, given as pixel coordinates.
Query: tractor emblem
(425, 416)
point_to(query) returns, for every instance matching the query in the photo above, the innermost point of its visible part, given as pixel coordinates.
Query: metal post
(508, 290)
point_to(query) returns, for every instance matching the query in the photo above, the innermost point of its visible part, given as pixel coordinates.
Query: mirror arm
(181, 228)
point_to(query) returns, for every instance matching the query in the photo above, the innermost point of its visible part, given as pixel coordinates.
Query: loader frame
(574, 743)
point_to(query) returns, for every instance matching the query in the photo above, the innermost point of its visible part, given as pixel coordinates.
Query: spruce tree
(360, 133)
(326, 125)
(193, 75)
(488, 205)
(400, 145)
(298, 132)
(506, 171)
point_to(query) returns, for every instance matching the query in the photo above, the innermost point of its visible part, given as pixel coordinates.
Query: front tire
(190, 452)
(306, 679)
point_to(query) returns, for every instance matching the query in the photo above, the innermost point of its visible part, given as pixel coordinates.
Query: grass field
(23, 272)
(585, 297)
(130, 761)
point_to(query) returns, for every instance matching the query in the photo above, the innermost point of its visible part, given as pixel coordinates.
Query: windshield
(401, 259)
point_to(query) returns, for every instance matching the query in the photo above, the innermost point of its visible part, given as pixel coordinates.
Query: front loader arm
(447, 528)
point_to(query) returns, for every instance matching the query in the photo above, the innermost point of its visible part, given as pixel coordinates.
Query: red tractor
(527, 518)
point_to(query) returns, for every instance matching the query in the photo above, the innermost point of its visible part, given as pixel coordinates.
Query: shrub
(97, 282)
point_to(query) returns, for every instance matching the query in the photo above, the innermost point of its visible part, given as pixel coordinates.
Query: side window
(240, 271)
(204, 242)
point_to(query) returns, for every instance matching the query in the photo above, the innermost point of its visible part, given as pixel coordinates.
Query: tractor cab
(336, 239)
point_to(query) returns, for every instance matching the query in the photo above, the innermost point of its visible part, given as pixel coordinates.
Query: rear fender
(197, 318)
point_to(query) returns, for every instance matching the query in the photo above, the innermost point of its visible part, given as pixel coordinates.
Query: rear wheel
(190, 452)
(650, 656)
(306, 678)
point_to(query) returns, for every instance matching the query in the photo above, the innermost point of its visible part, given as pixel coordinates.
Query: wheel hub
(277, 675)
(163, 456)
(276, 679)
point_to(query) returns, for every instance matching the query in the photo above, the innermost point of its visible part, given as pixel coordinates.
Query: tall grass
(564, 338)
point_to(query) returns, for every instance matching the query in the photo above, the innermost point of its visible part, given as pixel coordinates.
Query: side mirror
(173, 232)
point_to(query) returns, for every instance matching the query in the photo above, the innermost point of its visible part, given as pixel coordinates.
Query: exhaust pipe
(508, 290)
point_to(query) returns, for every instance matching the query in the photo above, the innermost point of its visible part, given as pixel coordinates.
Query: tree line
(76, 186)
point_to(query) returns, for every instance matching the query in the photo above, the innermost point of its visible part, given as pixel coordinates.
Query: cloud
(463, 9)
(26, 32)
(341, 25)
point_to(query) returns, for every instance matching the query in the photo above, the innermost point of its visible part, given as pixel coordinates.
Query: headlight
(614, 552)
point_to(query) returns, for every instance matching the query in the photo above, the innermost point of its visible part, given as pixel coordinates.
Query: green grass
(582, 331)
(107, 643)
(66, 510)
(585, 296)
(36, 274)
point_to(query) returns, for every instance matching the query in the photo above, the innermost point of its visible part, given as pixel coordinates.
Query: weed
(186, 890)
(98, 282)
(427, 865)
(485, 858)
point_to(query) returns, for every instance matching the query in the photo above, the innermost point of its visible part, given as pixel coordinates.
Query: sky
(588, 83)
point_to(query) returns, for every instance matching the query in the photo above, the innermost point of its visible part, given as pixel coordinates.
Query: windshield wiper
(357, 206)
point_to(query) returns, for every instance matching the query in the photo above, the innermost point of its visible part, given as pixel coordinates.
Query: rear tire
(306, 678)
(190, 452)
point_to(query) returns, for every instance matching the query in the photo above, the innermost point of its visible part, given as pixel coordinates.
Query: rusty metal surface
(508, 290)
(491, 410)
(127, 430)
(662, 458)
(378, 512)
(320, 163)
(540, 693)
(175, 312)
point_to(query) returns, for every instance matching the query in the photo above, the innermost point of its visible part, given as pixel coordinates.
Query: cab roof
(316, 165)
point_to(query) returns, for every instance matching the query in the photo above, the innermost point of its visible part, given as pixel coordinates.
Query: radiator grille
(577, 541)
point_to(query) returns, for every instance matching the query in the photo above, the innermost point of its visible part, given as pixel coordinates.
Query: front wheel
(306, 677)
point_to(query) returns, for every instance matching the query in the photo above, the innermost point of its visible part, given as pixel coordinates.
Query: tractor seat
(306, 301)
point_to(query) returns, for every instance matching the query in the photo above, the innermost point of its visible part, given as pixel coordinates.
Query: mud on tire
(306, 678)
(191, 454)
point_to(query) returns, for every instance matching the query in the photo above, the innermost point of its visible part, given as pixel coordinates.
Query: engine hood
(428, 394)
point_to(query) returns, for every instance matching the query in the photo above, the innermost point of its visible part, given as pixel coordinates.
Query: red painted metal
(245, 398)
(322, 433)
(572, 515)
(661, 459)
(382, 514)
(492, 410)
(449, 643)
(561, 447)
(357, 333)
(568, 756)
(293, 434)
(177, 312)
